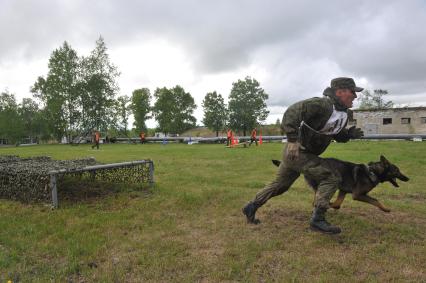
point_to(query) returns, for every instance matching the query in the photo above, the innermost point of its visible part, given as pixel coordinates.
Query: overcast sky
(293, 48)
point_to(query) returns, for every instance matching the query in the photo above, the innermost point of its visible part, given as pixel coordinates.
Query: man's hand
(355, 133)
(293, 150)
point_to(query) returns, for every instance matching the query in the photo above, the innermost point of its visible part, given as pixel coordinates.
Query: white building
(408, 120)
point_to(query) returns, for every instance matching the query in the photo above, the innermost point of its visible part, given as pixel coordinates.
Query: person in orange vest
(253, 136)
(229, 137)
(96, 139)
(142, 136)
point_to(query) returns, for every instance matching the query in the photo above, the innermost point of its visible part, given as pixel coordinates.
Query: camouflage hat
(348, 83)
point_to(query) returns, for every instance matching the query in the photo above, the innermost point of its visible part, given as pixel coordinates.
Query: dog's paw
(335, 206)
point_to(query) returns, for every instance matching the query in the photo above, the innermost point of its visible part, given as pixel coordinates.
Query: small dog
(360, 179)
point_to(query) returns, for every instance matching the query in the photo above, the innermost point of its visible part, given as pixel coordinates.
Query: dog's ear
(384, 160)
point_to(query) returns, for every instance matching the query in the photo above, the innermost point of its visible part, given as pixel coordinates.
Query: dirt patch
(375, 215)
(417, 197)
(286, 215)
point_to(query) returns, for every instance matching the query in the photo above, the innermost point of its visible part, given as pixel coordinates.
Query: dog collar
(373, 177)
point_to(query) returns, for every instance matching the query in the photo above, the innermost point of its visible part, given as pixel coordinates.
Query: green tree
(278, 122)
(11, 125)
(99, 88)
(40, 125)
(59, 91)
(29, 113)
(247, 105)
(122, 112)
(140, 106)
(173, 110)
(215, 112)
(374, 100)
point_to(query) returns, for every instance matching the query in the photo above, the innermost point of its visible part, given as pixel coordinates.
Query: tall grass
(190, 227)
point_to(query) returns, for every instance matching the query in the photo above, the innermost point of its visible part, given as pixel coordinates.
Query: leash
(303, 123)
(299, 134)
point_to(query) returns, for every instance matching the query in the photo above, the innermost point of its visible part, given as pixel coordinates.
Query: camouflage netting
(28, 179)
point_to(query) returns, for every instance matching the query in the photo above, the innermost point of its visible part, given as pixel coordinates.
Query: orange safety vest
(229, 133)
(253, 134)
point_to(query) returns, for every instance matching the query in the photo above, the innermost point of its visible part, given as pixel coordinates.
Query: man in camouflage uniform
(310, 126)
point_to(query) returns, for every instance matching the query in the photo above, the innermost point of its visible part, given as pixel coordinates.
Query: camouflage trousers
(309, 165)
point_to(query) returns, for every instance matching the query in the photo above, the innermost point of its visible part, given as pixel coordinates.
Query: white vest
(335, 123)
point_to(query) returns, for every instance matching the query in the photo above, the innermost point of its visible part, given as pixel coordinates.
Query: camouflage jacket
(315, 112)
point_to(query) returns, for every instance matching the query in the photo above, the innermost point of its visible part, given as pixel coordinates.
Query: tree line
(81, 93)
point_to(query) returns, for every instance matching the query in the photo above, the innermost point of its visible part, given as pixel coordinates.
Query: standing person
(96, 139)
(310, 126)
(229, 137)
(142, 136)
(253, 136)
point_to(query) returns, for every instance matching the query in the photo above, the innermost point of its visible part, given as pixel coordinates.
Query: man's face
(346, 96)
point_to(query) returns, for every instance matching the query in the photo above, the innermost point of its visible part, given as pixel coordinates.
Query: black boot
(318, 222)
(250, 212)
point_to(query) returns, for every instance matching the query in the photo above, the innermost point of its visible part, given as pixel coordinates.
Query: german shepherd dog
(359, 179)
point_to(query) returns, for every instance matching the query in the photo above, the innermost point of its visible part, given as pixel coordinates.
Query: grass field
(189, 227)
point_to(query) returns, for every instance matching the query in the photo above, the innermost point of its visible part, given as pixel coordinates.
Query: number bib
(335, 123)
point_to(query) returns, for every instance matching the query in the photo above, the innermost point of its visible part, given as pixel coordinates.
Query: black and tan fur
(360, 179)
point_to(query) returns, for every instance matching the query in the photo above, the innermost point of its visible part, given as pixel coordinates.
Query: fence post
(151, 173)
(54, 190)
(93, 175)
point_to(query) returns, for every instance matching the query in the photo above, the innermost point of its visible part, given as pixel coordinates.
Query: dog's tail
(276, 162)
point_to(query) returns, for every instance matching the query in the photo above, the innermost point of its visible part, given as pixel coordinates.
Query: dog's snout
(403, 178)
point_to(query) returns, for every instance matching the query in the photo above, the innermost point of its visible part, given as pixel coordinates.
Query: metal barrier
(265, 138)
(394, 137)
(135, 171)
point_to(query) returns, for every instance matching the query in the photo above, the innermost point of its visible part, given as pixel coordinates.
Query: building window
(387, 121)
(423, 120)
(405, 120)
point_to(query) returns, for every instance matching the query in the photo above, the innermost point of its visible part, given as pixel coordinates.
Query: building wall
(372, 121)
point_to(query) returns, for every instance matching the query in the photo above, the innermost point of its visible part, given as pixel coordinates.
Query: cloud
(293, 48)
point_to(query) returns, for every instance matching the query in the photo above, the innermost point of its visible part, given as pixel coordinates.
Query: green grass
(190, 227)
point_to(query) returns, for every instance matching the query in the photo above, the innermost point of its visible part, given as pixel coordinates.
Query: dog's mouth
(400, 177)
(403, 178)
(276, 162)
(394, 183)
